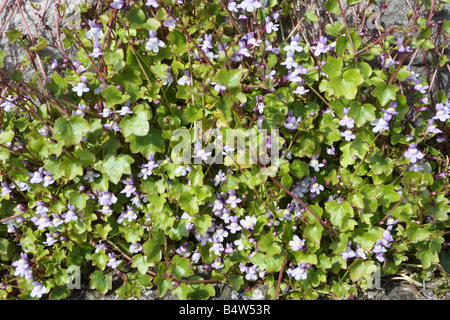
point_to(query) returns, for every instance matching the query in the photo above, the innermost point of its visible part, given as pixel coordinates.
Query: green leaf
(385, 93)
(151, 143)
(41, 44)
(332, 6)
(136, 17)
(270, 264)
(362, 113)
(180, 267)
(202, 223)
(137, 124)
(71, 167)
(189, 203)
(200, 291)
(58, 84)
(100, 281)
(347, 85)
(379, 164)
(100, 259)
(114, 167)
(269, 245)
(311, 16)
(333, 67)
(299, 169)
(152, 247)
(70, 131)
(313, 232)
(389, 195)
(339, 213)
(362, 269)
(114, 96)
(229, 78)
(141, 263)
(417, 233)
(13, 35)
(78, 199)
(59, 293)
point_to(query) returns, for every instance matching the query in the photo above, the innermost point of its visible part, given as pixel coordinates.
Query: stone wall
(38, 13)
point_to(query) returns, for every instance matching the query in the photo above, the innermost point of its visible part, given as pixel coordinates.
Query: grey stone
(31, 23)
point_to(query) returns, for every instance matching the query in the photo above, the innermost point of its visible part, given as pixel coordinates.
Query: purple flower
(217, 264)
(220, 234)
(50, 239)
(71, 214)
(432, 128)
(348, 253)
(321, 46)
(183, 250)
(252, 273)
(219, 178)
(78, 67)
(299, 272)
(401, 46)
(95, 32)
(56, 220)
(296, 243)
(294, 45)
(42, 221)
(182, 170)
(421, 88)
(234, 226)
(270, 26)
(5, 188)
(48, 179)
(331, 150)
(37, 176)
(360, 252)
(249, 5)
(381, 125)
(289, 62)
(113, 262)
(207, 43)
(348, 135)
(81, 87)
(300, 90)
(442, 112)
(135, 247)
(291, 121)
(185, 79)
(129, 188)
(152, 3)
(346, 120)
(315, 187)
(390, 112)
(387, 62)
(248, 223)
(147, 169)
(8, 103)
(233, 200)
(413, 154)
(90, 175)
(217, 247)
(22, 267)
(153, 43)
(315, 163)
(38, 290)
(97, 50)
(128, 214)
(106, 198)
(117, 4)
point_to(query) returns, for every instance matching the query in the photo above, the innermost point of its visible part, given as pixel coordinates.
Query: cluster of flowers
(379, 249)
(23, 269)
